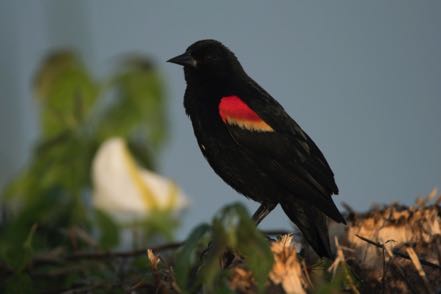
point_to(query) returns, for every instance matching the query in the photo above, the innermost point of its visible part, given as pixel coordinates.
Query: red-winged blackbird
(254, 145)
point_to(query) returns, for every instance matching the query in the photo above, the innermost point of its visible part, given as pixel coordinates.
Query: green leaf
(65, 90)
(137, 112)
(251, 244)
(186, 257)
(53, 189)
(254, 247)
(233, 229)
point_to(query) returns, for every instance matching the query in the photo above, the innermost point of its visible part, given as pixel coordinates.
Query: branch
(58, 258)
(143, 251)
(417, 264)
(399, 254)
(122, 254)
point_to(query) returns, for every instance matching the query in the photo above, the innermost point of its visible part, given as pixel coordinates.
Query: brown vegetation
(390, 249)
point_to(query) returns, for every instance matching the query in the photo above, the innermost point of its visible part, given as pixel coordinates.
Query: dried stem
(122, 254)
(416, 262)
(399, 254)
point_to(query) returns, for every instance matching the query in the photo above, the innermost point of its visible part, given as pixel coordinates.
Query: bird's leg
(263, 210)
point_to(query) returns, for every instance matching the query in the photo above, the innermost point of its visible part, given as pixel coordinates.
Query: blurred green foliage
(48, 205)
(231, 232)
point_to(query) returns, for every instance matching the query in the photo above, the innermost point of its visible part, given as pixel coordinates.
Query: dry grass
(399, 252)
(403, 236)
(390, 249)
(288, 274)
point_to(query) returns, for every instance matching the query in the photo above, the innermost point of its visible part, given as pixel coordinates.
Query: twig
(438, 248)
(122, 254)
(398, 270)
(341, 260)
(383, 278)
(399, 254)
(416, 262)
(142, 251)
(59, 257)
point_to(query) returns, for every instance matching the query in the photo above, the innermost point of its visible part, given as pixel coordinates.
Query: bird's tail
(312, 223)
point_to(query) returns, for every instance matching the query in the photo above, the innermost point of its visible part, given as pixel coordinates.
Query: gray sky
(361, 77)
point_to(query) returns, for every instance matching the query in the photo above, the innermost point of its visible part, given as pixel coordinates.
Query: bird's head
(208, 60)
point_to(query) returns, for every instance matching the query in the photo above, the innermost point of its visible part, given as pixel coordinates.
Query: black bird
(254, 145)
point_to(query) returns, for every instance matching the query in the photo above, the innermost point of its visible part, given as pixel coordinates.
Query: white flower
(127, 191)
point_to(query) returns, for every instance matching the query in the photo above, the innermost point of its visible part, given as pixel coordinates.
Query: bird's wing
(280, 147)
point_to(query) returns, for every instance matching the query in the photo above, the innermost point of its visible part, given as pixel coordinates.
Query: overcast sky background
(363, 78)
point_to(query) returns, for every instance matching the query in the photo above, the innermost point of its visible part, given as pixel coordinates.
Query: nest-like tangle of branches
(390, 249)
(404, 254)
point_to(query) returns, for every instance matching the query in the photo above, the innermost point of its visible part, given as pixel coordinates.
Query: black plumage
(254, 145)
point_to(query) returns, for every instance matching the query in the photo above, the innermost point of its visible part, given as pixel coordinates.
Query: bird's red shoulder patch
(234, 111)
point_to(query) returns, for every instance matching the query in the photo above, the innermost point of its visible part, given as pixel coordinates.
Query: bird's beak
(184, 59)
